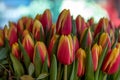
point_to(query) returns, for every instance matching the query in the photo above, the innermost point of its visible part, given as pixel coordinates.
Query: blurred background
(12, 10)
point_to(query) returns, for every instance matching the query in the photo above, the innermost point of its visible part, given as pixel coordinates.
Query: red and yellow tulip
(65, 50)
(76, 43)
(64, 23)
(1, 38)
(81, 57)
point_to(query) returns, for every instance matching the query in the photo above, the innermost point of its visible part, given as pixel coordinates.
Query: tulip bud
(76, 43)
(46, 20)
(104, 39)
(64, 23)
(96, 51)
(65, 50)
(80, 24)
(91, 21)
(1, 38)
(51, 44)
(12, 34)
(29, 24)
(38, 17)
(20, 26)
(111, 61)
(16, 50)
(42, 50)
(53, 29)
(81, 56)
(28, 44)
(37, 26)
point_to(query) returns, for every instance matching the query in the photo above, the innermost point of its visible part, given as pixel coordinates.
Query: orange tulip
(1, 38)
(65, 50)
(36, 30)
(42, 50)
(16, 50)
(28, 45)
(46, 20)
(64, 23)
(96, 51)
(81, 56)
(111, 61)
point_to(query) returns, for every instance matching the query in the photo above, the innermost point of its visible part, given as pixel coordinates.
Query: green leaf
(89, 74)
(26, 77)
(42, 76)
(25, 55)
(100, 62)
(73, 27)
(31, 69)
(37, 62)
(53, 68)
(3, 53)
(18, 68)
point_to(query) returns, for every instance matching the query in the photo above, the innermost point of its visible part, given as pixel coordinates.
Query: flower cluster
(70, 49)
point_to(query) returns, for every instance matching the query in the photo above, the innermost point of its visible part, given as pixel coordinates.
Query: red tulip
(81, 56)
(28, 44)
(1, 38)
(64, 23)
(65, 50)
(36, 30)
(42, 50)
(46, 20)
(111, 61)
(29, 24)
(96, 51)
(76, 43)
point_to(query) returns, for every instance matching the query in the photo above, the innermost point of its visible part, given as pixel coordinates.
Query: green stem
(65, 72)
(105, 76)
(59, 70)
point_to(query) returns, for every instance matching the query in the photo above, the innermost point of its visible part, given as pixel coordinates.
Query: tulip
(64, 23)
(65, 50)
(96, 52)
(16, 50)
(29, 24)
(20, 26)
(12, 34)
(42, 51)
(111, 62)
(104, 39)
(91, 21)
(28, 45)
(38, 17)
(52, 44)
(37, 26)
(1, 38)
(81, 56)
(80, 24)
(46, 20)
(25, 32)
(76, 43)
(53, 29)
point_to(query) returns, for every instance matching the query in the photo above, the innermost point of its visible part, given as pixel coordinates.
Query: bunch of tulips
(70, 49)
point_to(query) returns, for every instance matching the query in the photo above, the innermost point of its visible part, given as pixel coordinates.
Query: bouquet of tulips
(70, 49)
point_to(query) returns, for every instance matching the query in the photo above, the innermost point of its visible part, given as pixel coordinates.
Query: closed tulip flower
(111, 62)
(29, 24)
(37, 26)
(64, 23)
(96, 51)
(81, 57)
(1, 38)
(76, 43)
(28, 44)
(65, 50)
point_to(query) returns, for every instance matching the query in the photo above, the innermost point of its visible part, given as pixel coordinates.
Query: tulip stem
(59, 70)
(105, 76)
(65, 72)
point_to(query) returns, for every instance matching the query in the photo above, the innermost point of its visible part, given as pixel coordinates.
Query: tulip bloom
(42, 50)
(76, 43)
(104, 39)
(29, 24)
(20, 26)
(65, 50)
(16, 50)
(64, 23)
(111, 61)
(96, 52)
(51, 44)
(36, 30)
(28, 44)
(46, 20)
(1, 38)
(81, 56)
(12, 34)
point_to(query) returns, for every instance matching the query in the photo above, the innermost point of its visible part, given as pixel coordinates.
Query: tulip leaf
(42, 76)
(25, 55)
(73, 27)
(89, 75)
(100, 62)
(53, 68)
(18, 68)
(3, 53)
(26, 77)
(37, 62)
(31, 69)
